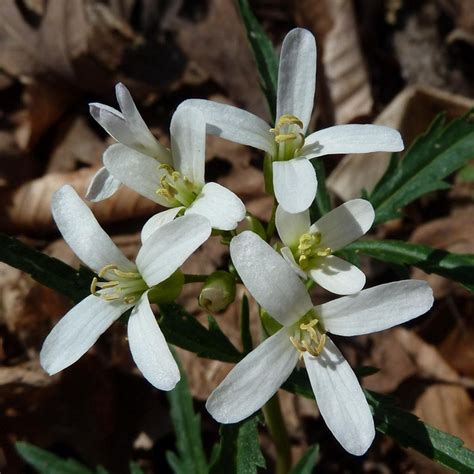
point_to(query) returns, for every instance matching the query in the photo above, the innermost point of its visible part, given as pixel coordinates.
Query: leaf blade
(457, 267)
(433, 156)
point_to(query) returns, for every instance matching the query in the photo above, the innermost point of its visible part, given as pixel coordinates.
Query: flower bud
(218, 291)
(252, 223)
(167, 291)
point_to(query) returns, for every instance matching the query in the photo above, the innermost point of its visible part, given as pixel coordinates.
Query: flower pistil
(309, 250)
(288, 137)
(177, 189)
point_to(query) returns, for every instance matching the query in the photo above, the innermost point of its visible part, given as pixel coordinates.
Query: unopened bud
(252, 223)
(218, 291)
(167, 291)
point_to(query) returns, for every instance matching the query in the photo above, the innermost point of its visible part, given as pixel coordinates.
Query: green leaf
(455, 266)
(411, 432)
(245, 334)
(435, 155)
(46, 270)
(184, 330)
(135, 468)
(190, 458)
(239, 449)
(466, 174)
(404, 427)
(48, 463)
(307, 462)
(265, 57)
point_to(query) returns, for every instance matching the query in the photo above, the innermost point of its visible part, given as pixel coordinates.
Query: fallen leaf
(345, 74)
(411, 112)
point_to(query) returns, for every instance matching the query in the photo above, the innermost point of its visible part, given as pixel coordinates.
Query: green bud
(167, 291)
(218, 291)
(252, 223)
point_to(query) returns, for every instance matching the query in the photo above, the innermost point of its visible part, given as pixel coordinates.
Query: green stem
(276, 427)
(322, 203)
(194, 278)
(271, 224)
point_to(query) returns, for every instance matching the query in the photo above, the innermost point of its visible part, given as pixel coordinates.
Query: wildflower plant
(306, 242)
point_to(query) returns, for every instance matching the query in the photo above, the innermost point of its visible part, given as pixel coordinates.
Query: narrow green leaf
(239, 449)
(265, 57)
(135, 468)
(46, 270)
(190, 458)
(48, 463)
(183, 330)
(307, 462)
(322, 203)
(455, 266)
(404, 427)
(435, 155)
(466, 174)
(411, 432)
(245, 333)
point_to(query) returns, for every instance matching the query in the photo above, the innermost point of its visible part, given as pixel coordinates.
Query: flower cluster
(276, 273)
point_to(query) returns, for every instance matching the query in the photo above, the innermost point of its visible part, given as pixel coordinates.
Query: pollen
(309, 250)
(118, 285)
(176, 189)
(288, 137)
(309, 336)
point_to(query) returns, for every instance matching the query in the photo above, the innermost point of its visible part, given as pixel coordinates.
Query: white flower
(294, 179)
(173, 179)
(309, 248)
(254, 380)
(126, 286)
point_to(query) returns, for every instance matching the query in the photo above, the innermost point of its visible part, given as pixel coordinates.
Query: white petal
(83, 233)
(338, 276)
(220, 205)
(291, 227)
(149, 348)
(346, 223)
(352, 139)
(145, 142)
(297, 76)
(234, 124)
(158, 220)
(295, 184)
(136, 170)
(288, 256)
(78, 331)
(254, 380)
(188, 143)
(114, 124)
(377, 308)
(340, 399)
(102, 186)
(269, 278)
(169, 246)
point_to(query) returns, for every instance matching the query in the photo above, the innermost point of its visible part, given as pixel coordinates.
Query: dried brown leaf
(26, 209)
(345, 72)
(217, 46)
(410, 112)
(454, 234)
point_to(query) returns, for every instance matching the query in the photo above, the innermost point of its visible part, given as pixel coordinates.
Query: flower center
(309, 250)
(177, 189)
(127, 286)
(288, 137)
(309, 335)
